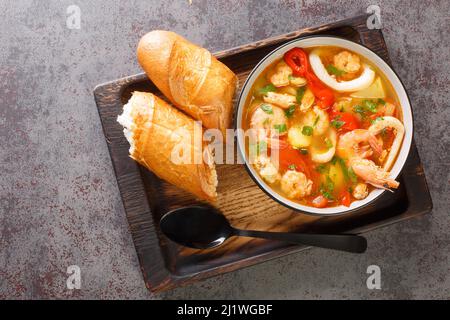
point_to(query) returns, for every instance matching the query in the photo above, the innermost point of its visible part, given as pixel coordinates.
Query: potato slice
(337, 176)
(374, 91)
(297, 139)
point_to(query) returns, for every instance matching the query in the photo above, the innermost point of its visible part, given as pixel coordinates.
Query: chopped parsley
(307, 131)
(267, 108)
(352, 175)
(337, 123)
(349, 174)
(300, 94)
(303, 151)
(334, 160)
(328, 143)
(321, 168)
(333, 70)
(292, 167)
(381, 101)
(366, 107)
(289, 111)
(280, 127)
(327, 188)
(265, 90)
(377, 119)
(370, 105)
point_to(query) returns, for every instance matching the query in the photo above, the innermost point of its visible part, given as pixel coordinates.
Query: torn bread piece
(169, 143)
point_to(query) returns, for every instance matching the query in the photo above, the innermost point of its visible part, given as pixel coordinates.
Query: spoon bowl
(204, 227)
(199, 227)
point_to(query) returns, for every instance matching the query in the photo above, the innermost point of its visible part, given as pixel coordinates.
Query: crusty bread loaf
(190, 77)
(157, 132)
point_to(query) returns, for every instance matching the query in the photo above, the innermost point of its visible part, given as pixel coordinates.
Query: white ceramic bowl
(372, 57)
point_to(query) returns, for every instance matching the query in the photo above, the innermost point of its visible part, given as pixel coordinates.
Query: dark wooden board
(146, 198)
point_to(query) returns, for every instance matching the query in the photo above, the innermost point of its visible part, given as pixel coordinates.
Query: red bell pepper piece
(297, 59)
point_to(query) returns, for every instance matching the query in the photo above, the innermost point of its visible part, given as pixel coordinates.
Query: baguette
(190, 77)
(155, 130)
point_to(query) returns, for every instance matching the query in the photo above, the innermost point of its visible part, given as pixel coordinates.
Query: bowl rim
(261, 184)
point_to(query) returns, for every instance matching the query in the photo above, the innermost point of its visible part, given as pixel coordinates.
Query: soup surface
(326, 127)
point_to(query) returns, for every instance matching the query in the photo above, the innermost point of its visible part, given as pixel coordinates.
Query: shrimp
(349, 144)
(347, 62)
(368, 171)
(269, 118)
(281, 76)
(268, 124)
(394, 123)
(360, 191)
(295, 184)
(267, 169)
(280, 99)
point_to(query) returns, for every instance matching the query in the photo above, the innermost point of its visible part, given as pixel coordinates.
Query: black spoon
(203, 227)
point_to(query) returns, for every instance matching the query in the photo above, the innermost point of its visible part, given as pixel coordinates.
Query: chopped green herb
(377, 119)
(349, 174)
(269, 88)
(304, 151)
(334, 160)
(280, 127)
(337, 123)
(381, 101)
(292, 167)
(343, 168)
(328, 143)
(352, 175)
(267, 108)
(316, 121)
(307, 131)
(359, 109)
(300, 93)
(333, 70)
(289, 111)
(322, 168)
(330, 184)
(291, 77)
(326, 194)
(261, 147)
(327, 188)
(370, 105)
(367, 106)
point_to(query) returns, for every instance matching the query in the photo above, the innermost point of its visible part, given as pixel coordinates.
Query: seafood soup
(328, 127)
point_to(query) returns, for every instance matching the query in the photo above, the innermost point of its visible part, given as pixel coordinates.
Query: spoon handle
(343, 242)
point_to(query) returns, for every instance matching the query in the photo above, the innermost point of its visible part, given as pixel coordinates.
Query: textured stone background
(59, 202)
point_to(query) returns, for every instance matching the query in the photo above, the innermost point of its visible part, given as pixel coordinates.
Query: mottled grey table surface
(59, 201)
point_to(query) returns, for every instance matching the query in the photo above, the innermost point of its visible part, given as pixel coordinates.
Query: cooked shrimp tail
(368, 171)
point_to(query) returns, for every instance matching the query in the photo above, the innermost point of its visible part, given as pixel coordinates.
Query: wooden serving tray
(146, 198)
